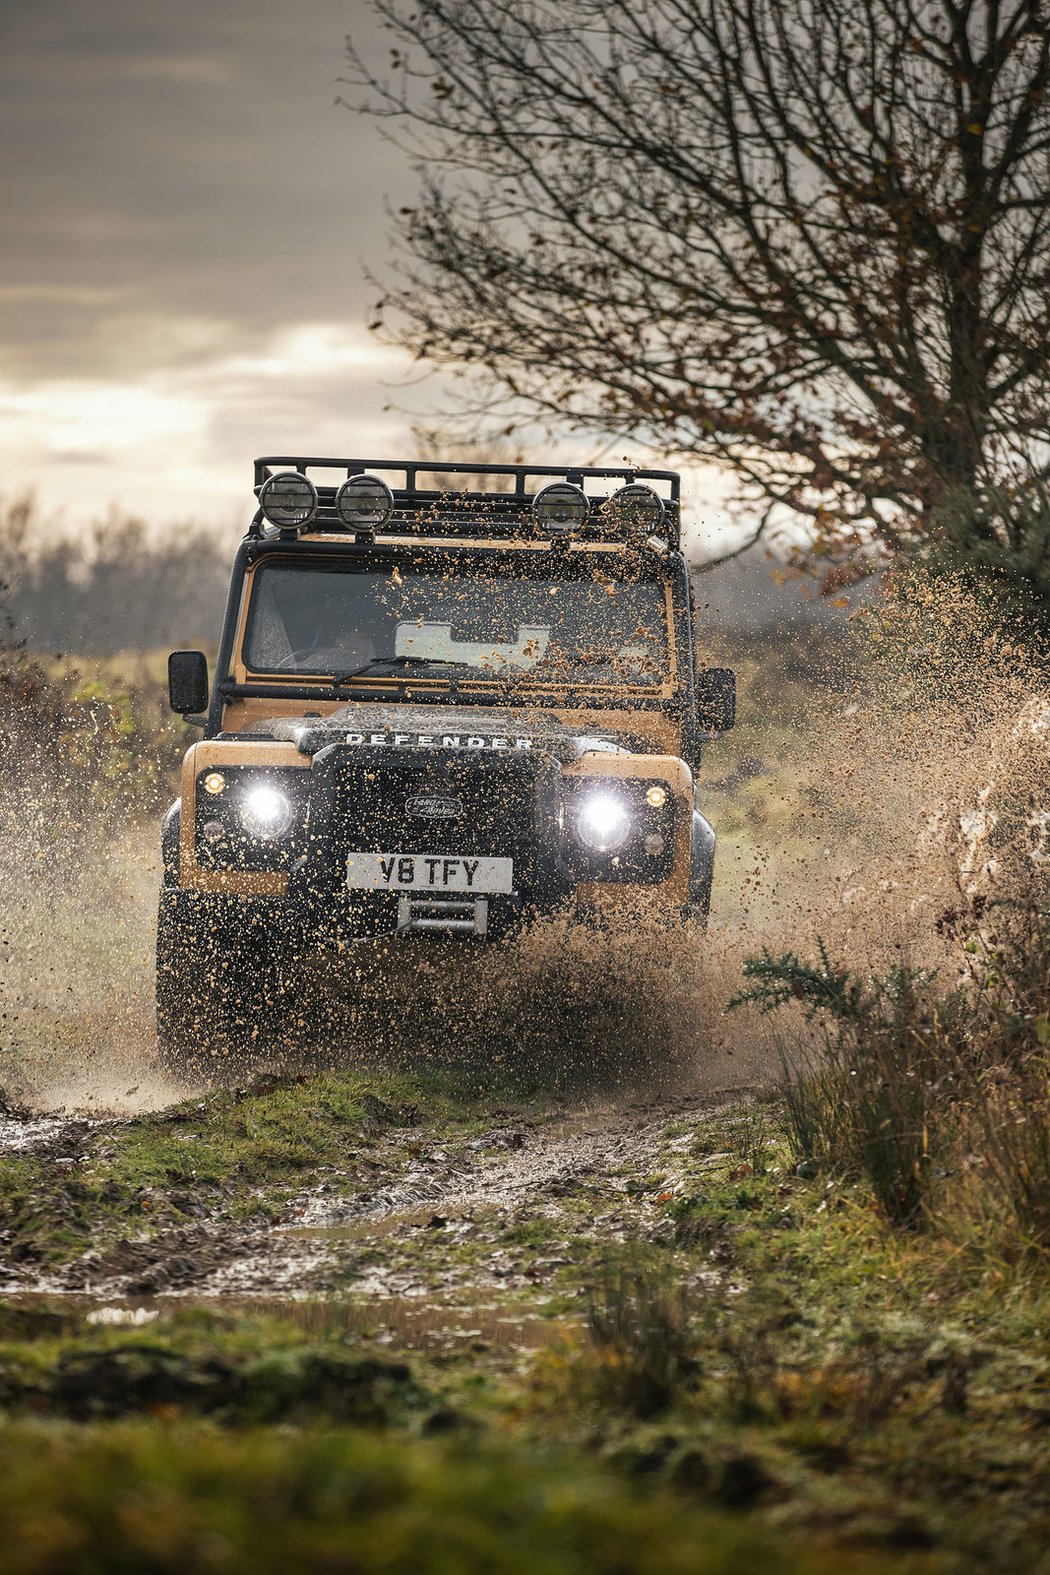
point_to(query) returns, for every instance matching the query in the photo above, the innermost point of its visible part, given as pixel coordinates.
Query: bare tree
(809, 239)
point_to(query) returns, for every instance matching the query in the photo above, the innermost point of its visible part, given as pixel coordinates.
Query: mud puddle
(19, 1134)
(598, 1150)
(400, 1324)
(411, 1231)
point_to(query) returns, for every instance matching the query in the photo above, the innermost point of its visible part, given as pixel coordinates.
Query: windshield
(489, 623)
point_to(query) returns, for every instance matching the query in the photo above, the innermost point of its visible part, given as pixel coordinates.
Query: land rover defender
(449, 699)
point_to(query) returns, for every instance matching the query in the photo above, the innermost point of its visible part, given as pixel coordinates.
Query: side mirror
(188, 681)
(716, 699)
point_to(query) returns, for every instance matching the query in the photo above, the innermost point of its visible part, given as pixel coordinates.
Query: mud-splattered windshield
(392, 621)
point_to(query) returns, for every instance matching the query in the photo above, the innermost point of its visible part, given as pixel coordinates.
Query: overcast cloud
(187, 215)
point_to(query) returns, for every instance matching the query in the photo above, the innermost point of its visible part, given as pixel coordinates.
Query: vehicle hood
(510, 730)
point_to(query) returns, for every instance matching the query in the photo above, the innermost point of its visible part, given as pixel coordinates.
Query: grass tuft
(638, 1321)
(912, 1087)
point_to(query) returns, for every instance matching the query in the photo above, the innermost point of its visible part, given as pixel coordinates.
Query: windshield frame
(529, 562)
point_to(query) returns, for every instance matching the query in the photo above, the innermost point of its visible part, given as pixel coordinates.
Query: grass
(135, 1500)
(638, 1323)
(764, 1371)
(239, 1369)
(833, 1374)
(237, 1154)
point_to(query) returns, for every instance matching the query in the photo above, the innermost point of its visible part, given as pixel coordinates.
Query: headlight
(255, 821)
(602, 822)
(560, 507)
(288, 499)
(364, 502)
(265, 812)
(636, 509)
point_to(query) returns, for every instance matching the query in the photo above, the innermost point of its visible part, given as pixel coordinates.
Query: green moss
(240, 1367)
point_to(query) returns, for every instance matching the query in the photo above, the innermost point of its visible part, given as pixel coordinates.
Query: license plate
(428, 872)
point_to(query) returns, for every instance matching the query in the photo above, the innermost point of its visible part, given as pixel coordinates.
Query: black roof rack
(422, 505)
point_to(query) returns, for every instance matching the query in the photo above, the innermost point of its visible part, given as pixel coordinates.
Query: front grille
(368, 799)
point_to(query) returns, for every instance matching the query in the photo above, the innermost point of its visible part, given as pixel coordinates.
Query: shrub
(1010, 1076)
(870, 1102)
(909, 1086)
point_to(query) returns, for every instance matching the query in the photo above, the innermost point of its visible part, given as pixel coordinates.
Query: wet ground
(415, 1240)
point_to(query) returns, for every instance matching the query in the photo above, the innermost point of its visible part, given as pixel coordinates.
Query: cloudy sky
(187, 216)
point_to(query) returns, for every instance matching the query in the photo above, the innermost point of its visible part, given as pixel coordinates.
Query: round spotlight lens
(265, 812)
(214, 782)
(656, 797)
(636, 509)
(288, 499)
(603, 822)
(364, 502)
(654, 844)
(213, 831)
(560, 507)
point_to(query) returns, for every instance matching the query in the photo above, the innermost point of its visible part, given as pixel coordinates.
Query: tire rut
(468, 1202)
(575, 1172)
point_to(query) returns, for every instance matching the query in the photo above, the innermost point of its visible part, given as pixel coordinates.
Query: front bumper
(286, 924)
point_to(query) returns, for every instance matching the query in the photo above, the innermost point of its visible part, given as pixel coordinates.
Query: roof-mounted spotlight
(288, 499)
(561, 507)
(364, 502)
(636, 510)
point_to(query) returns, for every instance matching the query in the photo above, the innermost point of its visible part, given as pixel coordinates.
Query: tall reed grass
(913, 1086)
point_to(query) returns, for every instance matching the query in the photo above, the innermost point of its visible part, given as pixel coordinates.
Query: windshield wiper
(393, 661)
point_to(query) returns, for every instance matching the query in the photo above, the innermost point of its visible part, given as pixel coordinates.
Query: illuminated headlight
(637, 510)
(265, 812)
(364, 502)
(560, 507)
(602, 822)
(288, 499)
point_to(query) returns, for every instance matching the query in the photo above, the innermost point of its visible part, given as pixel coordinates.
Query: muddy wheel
(212, 1000)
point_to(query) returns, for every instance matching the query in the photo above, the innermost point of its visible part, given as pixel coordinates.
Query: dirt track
(407, 1221)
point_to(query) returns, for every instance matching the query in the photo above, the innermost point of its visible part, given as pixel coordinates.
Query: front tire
(213, 996)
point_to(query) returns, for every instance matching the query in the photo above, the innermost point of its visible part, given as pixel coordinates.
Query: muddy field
(539, 1264)
(424, 1228)
(639, 1306)
(424, 1225)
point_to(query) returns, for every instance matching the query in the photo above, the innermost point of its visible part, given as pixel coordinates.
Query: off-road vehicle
(449, 700)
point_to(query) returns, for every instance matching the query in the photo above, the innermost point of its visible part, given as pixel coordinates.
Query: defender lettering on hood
(438, 741)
